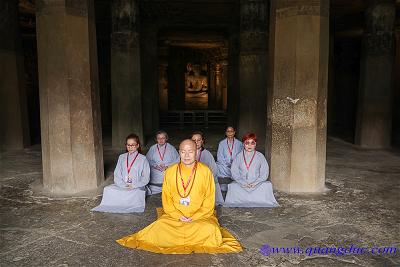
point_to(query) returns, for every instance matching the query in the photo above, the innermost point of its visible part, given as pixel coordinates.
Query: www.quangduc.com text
(267, 250)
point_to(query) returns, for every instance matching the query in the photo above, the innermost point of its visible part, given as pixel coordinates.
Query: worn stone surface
(69, 98)
(374, 117)
(361, 208)
(296, 126)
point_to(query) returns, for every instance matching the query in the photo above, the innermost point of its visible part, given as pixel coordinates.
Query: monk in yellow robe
(187, 221)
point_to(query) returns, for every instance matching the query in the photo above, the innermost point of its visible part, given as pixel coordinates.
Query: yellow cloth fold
(168, 235)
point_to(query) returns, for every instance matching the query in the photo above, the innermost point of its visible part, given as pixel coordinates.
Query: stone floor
(361, 209)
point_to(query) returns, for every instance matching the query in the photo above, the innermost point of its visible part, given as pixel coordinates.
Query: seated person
(204, 156)
(160, 156)
(187, 222)
(131, 176)
(228, 148)
(250, 171)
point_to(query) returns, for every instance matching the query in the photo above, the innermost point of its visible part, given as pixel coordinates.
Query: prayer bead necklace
(194, 170)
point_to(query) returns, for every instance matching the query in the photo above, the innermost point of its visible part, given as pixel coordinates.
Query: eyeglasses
(132, 145)
(248, 143)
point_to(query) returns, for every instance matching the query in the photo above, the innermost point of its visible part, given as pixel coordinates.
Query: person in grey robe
(131, 175)
(205, 156)
(228, 149)
(160, 156)
(250, 171)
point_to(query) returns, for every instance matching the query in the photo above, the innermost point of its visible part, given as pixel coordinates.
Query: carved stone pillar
(396, 69)
(233, 79)
(299, 53)
(14, 128)
(72, 150)
(126, 91)
(253, 69)
(149, 73)
(374, 118)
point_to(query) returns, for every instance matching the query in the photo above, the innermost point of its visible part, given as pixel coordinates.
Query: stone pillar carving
(374, 116)
(233, 80)
(72, 150)
(14, 129)
(149, 80)
(126, 91)
(253, 69)
(296, 133)
(396, 69)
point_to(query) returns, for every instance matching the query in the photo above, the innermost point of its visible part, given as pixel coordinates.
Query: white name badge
(184, 201)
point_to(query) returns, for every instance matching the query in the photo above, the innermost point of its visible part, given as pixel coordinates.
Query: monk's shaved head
(187, 142)
(187, 152)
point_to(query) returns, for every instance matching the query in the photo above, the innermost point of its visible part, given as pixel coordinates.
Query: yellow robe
(168, 235)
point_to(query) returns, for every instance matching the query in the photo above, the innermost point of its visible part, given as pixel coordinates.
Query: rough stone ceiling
(346, 15)
(172, 7)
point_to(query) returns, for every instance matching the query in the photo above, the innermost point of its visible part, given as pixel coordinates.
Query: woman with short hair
(250, 171)
(160, 156)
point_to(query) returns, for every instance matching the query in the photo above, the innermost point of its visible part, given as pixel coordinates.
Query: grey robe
(207, 158)
(224, 158)
(259, 196)
(156, 176)
(117, 198)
